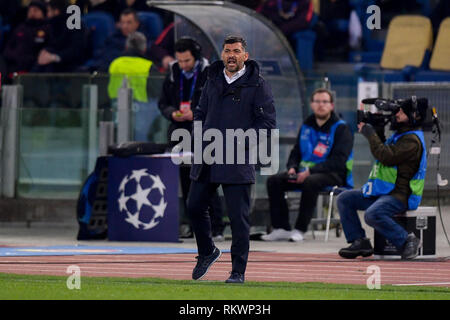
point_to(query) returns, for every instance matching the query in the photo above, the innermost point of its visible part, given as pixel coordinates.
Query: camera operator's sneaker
(411, 247)
(296, 236)
(277, 234)
(204, 263)
(359, 247)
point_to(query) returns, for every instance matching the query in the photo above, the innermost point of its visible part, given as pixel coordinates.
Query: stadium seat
(439, 62)
(408, 39)
(440, 59)
(304, 48)
(101, 25)
(407, 49)
(152, 24)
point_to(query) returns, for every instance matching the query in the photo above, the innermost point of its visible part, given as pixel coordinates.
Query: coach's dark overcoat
(245, 103)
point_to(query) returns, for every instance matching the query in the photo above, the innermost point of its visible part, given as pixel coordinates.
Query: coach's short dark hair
(322, 90)
(234, 39)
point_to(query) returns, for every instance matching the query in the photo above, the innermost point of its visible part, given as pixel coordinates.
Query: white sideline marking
(422, 284)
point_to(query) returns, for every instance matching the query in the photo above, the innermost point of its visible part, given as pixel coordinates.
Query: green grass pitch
(40, 287)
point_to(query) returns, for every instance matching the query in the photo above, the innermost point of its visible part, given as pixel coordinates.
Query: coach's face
(234, 56)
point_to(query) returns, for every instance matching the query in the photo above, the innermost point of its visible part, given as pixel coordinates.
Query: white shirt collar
(235, 76)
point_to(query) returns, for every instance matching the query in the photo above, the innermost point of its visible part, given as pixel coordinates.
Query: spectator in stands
(318, 159)
(65, 49)
(133, 66)
(115, 44)
(181, 90)
(27, 40)
(289, 16)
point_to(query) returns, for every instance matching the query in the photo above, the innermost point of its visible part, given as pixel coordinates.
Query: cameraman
(395, 184)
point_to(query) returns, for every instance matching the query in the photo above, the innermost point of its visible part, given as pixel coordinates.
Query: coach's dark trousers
(278, 184)
(237, 199)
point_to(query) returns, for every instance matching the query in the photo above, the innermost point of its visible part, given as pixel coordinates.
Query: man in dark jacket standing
(318, 159)
(235, 96)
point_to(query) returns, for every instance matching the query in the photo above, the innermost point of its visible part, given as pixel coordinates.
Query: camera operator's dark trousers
(237, 198)
(278, 184)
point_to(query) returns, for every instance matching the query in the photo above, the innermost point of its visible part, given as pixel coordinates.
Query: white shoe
(277, 234)
(296, 236)
(218, 238)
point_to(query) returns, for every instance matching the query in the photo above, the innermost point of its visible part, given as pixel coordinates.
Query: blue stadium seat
(304, 48)
(3, 31)
(152, 24)
(101, 25)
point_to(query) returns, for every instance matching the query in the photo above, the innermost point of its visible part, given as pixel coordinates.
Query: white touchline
(422, 284)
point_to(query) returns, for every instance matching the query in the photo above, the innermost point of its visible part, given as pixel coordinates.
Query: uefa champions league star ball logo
(141, 197)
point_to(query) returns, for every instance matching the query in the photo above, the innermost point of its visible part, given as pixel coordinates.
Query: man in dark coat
(235, 96)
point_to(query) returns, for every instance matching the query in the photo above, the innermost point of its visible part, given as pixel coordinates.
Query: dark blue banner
(142, 199)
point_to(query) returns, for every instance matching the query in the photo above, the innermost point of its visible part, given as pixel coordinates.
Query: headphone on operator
(188, 43)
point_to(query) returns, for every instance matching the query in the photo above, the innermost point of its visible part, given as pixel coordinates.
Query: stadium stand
(408, 47)
(101, 25)
(439, 62)
(152, 24)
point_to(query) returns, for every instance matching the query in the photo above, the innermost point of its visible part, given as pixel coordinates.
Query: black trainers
(204, 263)
(411, 247)
(359, 247)
(235, 277)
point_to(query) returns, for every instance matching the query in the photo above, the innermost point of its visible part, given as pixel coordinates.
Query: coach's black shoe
(204, 263)
(359, 247)
(411, 247)
(235, 277)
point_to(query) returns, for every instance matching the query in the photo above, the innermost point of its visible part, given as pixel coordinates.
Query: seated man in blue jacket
(319, 158)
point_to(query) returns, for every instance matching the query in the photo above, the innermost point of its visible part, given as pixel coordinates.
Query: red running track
(262, 266)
